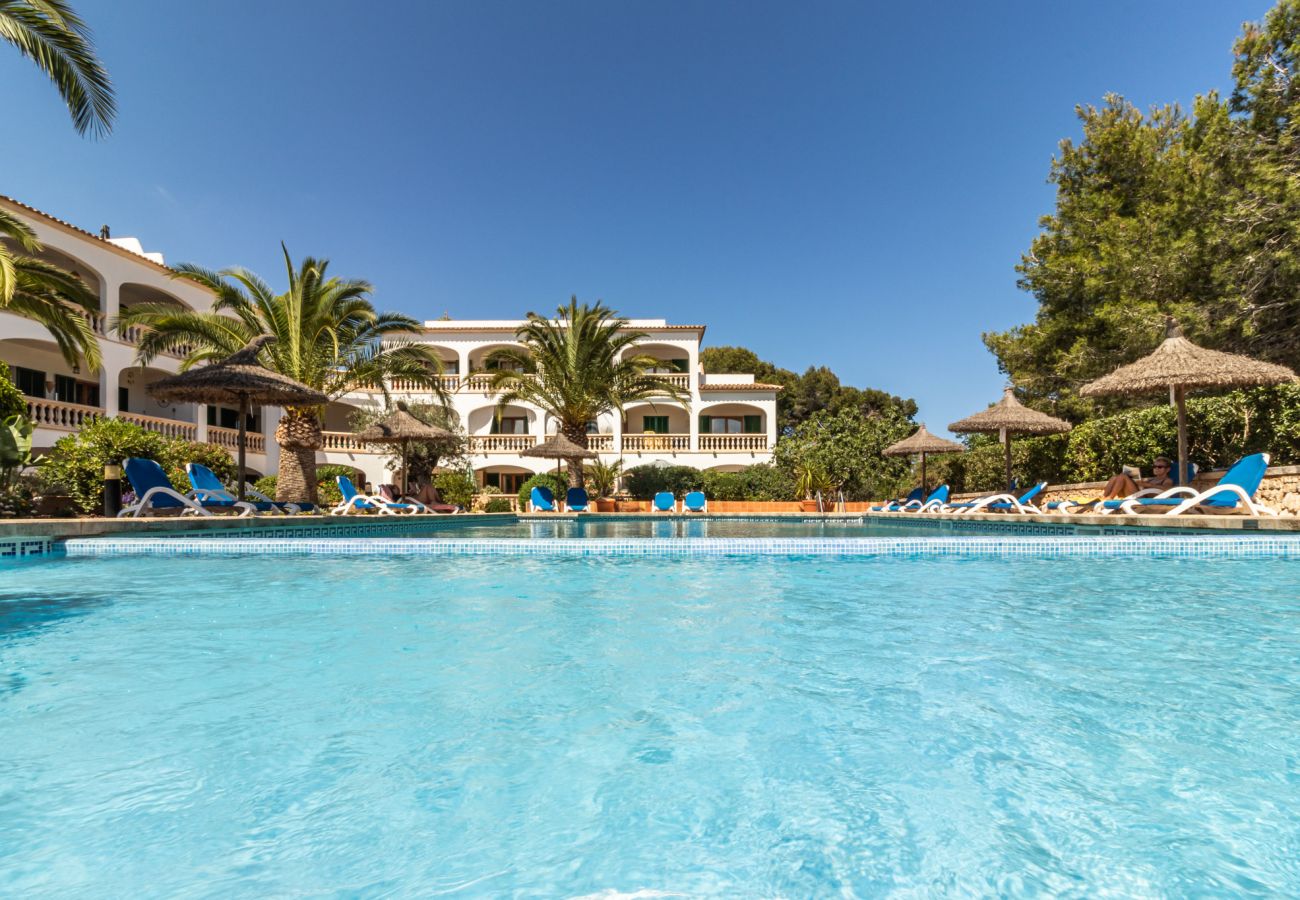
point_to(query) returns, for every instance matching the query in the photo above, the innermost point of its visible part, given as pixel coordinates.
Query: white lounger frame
(190, 505)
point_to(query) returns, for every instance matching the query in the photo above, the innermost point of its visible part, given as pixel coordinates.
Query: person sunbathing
(1125, 484)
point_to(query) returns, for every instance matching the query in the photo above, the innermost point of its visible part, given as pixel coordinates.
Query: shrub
(558, 485)
(643, 482)
(456, 486)
(12, 401)
(266, 485)
(177, 453)
(757, 482)
(76, 462)
(328, 493)
(497, 505)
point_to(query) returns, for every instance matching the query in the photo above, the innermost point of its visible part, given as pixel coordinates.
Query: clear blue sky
(838, 183)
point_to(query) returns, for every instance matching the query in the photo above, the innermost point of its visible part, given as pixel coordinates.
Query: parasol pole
(1180, 401)
(924, 489)
(243, 431)
(1006, 440)
(406, 478)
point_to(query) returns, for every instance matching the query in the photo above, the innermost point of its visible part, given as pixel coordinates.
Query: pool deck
(59, 529)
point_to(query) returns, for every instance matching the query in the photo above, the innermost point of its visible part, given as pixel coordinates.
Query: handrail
(733, 442)
(651, 442)
(501, 443)
(172, 428)
(59, 415)
(254, 441)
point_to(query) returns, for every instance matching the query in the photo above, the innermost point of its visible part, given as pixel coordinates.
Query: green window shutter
(655, 424)
(753, 424)
(706, 425)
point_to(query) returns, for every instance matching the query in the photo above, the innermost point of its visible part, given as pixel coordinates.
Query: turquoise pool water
(245, 727)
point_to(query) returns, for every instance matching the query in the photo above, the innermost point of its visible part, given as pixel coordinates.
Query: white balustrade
(501, 443)
(656, 442)
(171, 428)
(733, 443)
(345, 441)
(681, 380)
(600, 442)
(254, 441)
(59, 415)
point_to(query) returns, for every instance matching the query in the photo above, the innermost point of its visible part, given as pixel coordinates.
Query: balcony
(603, 443)
(679, 380)
(254, 442)
(344, 441)
(733, 443)
(172, 428)
(501, 443)
(60, 416)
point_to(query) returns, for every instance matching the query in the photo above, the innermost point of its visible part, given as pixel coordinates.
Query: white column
(201, 423)
(109, 380)
(694, 419)
(271, 416)
(109, 300)
(618, 431)
(769, 412)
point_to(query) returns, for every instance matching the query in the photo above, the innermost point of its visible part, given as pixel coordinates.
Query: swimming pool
(743, 725)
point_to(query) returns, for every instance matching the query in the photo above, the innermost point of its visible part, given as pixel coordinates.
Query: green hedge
(643, 482)
(757, 482)
(558, 485)
(1220, 430)
(12, 401)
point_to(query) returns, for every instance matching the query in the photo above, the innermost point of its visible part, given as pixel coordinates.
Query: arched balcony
(136, 404)
(517, 428)
(656, 427)
(59, 397)
(674, 363)
(132, 295)
(732, 428)
(481, 367)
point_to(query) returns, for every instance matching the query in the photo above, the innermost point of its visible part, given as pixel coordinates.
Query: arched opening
(60, 397)
(338, 416)
(130, 295)
(733, 427)
(94, 283)
(516, 420)
(479, 358)
(656, 427)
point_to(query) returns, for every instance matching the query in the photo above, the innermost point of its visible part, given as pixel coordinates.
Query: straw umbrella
(400, 427)
(1007, 417)
(559, 448)
(239, 380)
(923, 442)
(1178, 365)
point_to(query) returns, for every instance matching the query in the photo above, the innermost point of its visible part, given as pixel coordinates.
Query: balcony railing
(171, 428)
(642, 442)
(59, 415)
(680, 380)
(345, 441)
(254, 442)
(600, 442)
(733, 442)
(501, 443)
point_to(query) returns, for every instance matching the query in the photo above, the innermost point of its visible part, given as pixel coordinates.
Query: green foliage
(177, 453)
(15, 448)
(456, 486)
(76, 462)
(497, 505)
(558, 485)
(757, 482)
(266, 485)
(328, 488)
(846, 448)
(12, 401)
(643, 482)
(602, 477)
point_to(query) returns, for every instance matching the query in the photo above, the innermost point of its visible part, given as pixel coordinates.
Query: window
(671, 366)
(70, 390)
(510, 425)
(222, 417)
(592, 427)
(30, 381)
(124, 402)
(508, 482)
(502, 365)
(731, 424)
(654, 424)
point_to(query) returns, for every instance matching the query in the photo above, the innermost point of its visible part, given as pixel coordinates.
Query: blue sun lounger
(696, 502)
(154, 493)
(1075, 506)
(664, 502)
(354, 502)
(541, 499)
(576, 500)
(934, 502)
(1000, 503)
(1234, 492)
(894, 505)
(209, 489)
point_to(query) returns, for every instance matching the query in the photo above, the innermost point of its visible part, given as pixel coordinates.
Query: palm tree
(329, 337)
(46, 294)
(574, 367)
(55, 38)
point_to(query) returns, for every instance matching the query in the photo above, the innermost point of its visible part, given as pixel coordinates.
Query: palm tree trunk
(577, 434)
(299, 436)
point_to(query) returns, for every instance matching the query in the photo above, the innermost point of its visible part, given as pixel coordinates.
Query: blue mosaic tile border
(340, 527)
(1181, 546)
(22, 548)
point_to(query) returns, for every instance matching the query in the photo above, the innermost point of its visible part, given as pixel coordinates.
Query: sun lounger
(389, 492)
(154, 493)
(893, 505)
(933, 503)
(541, 499)
(1235, 492)
(576, 500)
(696, 502)
(1000, 503)
(209, 489)
(664, 502)
(356, 502)
(1084, 506)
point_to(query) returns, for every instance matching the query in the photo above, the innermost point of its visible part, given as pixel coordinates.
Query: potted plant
(810, 481)
(602, 478)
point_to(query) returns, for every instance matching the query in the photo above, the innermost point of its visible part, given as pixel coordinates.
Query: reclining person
(1125, 484)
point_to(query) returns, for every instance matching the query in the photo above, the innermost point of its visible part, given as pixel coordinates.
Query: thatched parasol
(1177, 365)
(400, 427)
(1007, 417)
(923, 442)
(559, 448)
(239, 380)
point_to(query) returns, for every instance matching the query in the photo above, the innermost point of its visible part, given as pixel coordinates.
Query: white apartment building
(724, 422)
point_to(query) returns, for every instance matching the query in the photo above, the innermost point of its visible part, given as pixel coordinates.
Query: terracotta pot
(603, 505)
(808, 506)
